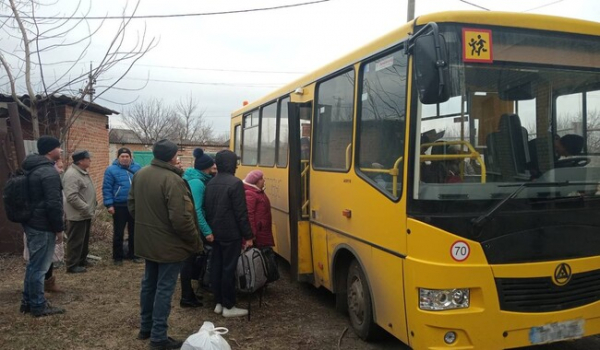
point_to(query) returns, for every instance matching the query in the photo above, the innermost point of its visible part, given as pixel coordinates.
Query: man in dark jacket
(168, 233)
(45, 224)
(115, 188)
(227, 215)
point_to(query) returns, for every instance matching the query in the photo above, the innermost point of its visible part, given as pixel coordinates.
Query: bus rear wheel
(360, 309)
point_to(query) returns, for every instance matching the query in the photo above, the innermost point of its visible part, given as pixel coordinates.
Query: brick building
(88, 130)
(126, 138)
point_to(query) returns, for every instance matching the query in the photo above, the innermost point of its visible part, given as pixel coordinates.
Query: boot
(167, 344)
(51, 286)
(47, 310)
(188, 298)
(190, 302)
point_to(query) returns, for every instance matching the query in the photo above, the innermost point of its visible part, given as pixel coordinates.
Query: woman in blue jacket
(197, 178)
(115, 188)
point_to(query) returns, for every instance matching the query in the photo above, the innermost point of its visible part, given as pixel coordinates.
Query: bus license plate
(557, 331)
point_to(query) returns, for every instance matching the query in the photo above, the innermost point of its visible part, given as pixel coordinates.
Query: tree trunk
(35, 122)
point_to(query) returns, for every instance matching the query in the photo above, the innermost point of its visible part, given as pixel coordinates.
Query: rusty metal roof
(64, 100)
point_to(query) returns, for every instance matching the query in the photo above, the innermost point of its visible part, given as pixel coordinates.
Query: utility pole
(410, 12)
(89, 88)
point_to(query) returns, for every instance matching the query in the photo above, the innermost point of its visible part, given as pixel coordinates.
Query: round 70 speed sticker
(460, 250)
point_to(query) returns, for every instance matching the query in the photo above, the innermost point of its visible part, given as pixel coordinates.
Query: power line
(205, 69)
(205, 83)
(539, 7)
(250, 85)
(219, 70)
(469, 3)
(174, 15)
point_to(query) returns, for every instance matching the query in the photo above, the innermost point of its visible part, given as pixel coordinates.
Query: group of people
(170, 215)
(70, 197)
(176, 213)
(55, 199)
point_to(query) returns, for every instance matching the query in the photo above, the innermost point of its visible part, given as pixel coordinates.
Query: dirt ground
(103, 312)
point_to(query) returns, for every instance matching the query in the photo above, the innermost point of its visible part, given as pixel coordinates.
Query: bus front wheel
(360, 309)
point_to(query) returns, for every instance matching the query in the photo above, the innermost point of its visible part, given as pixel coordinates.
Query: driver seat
(507, 153)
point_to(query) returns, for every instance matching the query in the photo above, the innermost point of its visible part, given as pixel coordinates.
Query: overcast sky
(223, 60)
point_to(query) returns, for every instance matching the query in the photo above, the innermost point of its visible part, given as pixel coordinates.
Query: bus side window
(250, 139)
(333, 122)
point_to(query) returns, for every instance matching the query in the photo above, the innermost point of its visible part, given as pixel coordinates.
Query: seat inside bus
(507, 152)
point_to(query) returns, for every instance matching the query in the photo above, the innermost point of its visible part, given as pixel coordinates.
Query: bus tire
(360, 309)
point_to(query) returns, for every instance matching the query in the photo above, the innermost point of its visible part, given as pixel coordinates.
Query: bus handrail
(348, 155)
(473, 154)
(393, 172)
(304, 178)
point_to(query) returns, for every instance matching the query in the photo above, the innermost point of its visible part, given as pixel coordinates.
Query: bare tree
(192, 124)
(43, 37)
(152, 121)
(223, 137)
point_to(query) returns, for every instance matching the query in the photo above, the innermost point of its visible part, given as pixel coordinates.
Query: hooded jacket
(259, 215)
(197, 181)
(45, 194)
(165, 220)
(116, 184)
(225, 202)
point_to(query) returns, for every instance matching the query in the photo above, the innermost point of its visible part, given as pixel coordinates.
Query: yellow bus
(442, 181)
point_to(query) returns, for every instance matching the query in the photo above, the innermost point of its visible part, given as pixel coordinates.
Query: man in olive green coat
(167, 234)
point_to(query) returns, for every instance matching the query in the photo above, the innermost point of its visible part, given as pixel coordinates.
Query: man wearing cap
(115, 188)
(80, 206)
(167, 234)
(44, 226)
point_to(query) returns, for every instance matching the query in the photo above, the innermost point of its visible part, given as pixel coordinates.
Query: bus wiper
(484, 218)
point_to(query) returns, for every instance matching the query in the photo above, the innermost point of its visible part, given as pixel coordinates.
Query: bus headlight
(443, 299)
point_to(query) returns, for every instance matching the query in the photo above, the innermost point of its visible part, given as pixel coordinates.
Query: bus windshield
(528, 114)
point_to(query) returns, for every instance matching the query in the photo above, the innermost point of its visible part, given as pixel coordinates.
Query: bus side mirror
(431, 68)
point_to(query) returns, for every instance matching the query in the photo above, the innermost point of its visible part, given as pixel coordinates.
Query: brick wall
(90, 132)
(185, 152)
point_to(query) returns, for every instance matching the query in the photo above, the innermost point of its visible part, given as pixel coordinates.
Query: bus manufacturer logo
(562, 274)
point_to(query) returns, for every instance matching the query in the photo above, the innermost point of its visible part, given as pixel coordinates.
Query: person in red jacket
(259, 209)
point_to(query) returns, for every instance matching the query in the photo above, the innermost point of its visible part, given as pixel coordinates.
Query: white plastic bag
(208, 338)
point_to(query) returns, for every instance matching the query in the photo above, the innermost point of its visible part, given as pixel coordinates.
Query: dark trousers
(49, 273)
(158, 286)
(187, 292)
(222, 271)
(121, 218)
(78, 240)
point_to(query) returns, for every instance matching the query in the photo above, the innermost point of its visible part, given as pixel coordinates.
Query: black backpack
(16, 197)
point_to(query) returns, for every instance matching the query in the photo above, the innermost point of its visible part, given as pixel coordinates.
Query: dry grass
(103, 311)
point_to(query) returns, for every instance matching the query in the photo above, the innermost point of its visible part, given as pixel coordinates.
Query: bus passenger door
(299, 116)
